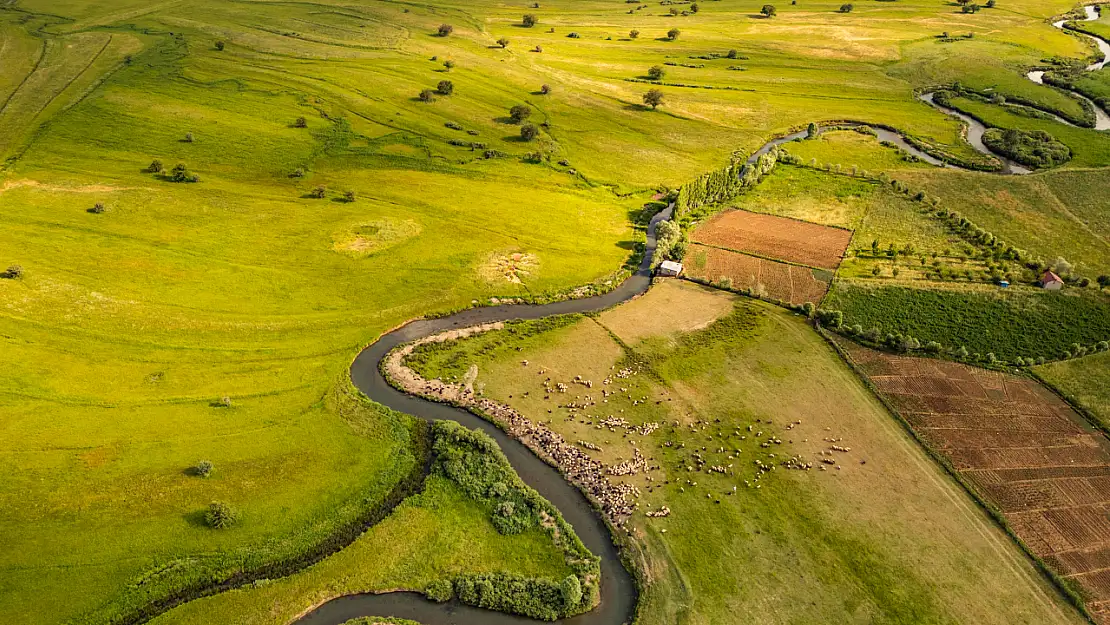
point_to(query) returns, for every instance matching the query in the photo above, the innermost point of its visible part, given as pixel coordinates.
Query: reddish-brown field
(1022, 447)
(770, 279)
(776, 237)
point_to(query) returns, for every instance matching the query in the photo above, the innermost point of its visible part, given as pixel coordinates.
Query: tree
(990, 4)
(520, 112)
(445, 87)
(300, 123)
(694, 7)
(732, 54)
(220, 46)
(319, 193)
(220, 515)
(846, 8)
(448, 64)
(572, 591)
(202, 469)
(1103, 281)
(155, 167)
(545, 89)
(188, 137)
(768, 10)
(673, 34)
(427, 95)
(812, 131)
(632, 34)
(656, 72)
(503, 42)
(98, 208)
(13, 272)
(653, 98)
(348, 196)
(529, 132)
(528, 21)
(445, 30)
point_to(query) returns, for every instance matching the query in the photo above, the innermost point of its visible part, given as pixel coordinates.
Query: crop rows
(1026, 452)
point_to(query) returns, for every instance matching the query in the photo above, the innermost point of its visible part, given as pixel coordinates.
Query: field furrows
(767, 278)
(1021, 447)
(776, 237)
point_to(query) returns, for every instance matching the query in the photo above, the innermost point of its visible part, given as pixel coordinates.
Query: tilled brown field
(775, 237)
(1023, 448)
(770, 279)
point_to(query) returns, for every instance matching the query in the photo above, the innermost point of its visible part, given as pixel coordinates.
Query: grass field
(863, 542)
(1084, 381)
(131, 326)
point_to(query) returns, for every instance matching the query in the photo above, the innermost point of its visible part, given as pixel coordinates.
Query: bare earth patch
(766, 278)
(35, 184)
(670, 307)
(510, 267)
(776, 237)
(373, 236)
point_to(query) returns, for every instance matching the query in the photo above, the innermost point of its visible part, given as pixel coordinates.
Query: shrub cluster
(1035, 148)
(724, 184)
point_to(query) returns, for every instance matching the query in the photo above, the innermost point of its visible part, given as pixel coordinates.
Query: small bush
(348, 196)
(633, 34)
(529, 132)
(503, 42)
(445, 30)
(98, 208)
(319, 193)
(846, 8)
(220, 46)
(445, 87)
(528, 21)
(13, 272)
(300, 123)
(440, 591)
(673, 34)
(427, 95)
(448, 64)
(225, 401)
(155, 167)
(768, 10)
(545, 89)
(220, 515)
(202, 469)
(189, 137)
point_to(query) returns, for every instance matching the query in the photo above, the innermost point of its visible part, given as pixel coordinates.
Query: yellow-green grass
(438, 534)
(130, 324)
(1053, 214)
(868, 542)
(1084, 381)
(850, 149)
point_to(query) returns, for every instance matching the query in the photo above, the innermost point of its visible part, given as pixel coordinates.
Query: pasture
(747, 388)
(158, 324)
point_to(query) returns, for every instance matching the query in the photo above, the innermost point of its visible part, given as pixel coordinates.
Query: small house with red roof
(1051, 282)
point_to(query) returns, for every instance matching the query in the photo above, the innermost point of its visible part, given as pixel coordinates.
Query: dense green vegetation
(1035, 148)
(471, 459)
(990, 324)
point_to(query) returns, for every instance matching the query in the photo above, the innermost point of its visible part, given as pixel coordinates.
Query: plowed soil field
(1024, 450)
(770, 279)
(775, 237)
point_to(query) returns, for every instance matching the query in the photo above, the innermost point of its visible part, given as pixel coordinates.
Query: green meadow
(159, 324)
